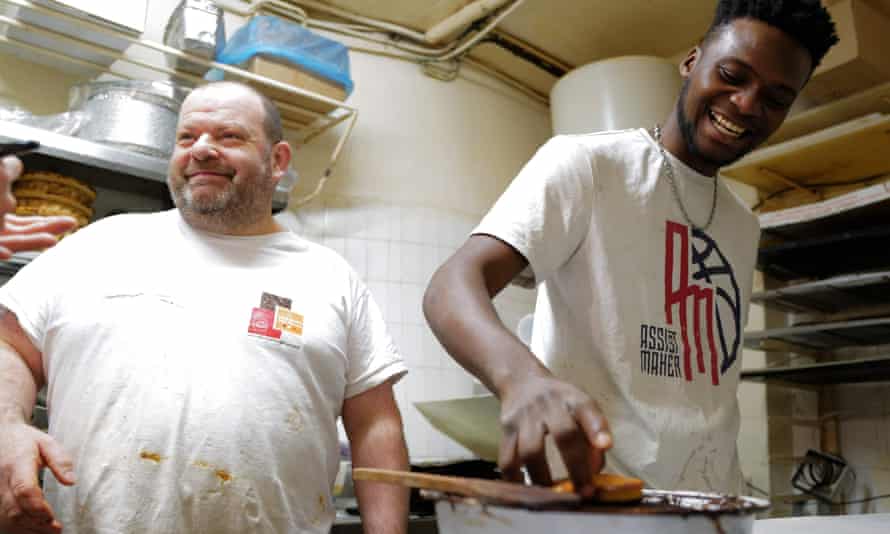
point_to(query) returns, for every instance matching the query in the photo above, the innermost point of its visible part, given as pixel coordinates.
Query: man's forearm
(459, 310)
(374, 426)
(384, 507)
(18, 390)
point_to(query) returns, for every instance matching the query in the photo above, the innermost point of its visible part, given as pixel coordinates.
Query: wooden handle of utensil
(495, 491)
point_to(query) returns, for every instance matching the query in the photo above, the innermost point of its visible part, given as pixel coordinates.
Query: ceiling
(569, 33)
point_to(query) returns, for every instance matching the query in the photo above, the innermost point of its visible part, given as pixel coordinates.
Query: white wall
(864, 433)
(426, 160)
(36, 88)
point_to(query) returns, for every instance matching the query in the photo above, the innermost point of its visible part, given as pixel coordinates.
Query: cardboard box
(293, 75)
(859, 60)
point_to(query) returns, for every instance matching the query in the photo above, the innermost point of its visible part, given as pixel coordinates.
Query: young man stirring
(643, 260)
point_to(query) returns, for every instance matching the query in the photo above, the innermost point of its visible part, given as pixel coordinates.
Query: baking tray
(846, 372)
(825, 336)
(830, 295)
(843, 251)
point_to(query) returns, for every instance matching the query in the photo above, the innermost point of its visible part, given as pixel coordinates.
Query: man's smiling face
(737, 90)
(222, 165)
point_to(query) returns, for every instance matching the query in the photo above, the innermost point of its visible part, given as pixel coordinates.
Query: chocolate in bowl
(659, 512)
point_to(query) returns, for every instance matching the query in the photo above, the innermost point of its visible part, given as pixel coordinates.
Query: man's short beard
(228, 209)
(217, 204)
(687, 128)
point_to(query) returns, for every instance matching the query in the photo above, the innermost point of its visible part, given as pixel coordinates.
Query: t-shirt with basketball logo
(635, 306)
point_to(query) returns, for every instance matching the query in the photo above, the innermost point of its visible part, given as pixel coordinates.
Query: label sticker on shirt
(261, 321)
(275, 320)
(288, 321)
(269, 301)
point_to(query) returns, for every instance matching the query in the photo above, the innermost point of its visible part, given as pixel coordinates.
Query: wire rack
(316, 123)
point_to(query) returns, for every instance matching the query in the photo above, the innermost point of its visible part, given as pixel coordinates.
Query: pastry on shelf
(49, 193)
(52, 183)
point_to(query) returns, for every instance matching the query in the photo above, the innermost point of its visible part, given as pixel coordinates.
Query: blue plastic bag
(277, 38)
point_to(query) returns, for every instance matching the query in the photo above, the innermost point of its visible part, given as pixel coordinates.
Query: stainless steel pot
(661, 512)
(196, 27)
(136, 115)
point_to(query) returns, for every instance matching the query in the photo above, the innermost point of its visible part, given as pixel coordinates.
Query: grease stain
(295, 420)
(151, 456)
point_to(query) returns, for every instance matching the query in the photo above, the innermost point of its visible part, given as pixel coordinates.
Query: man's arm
(458, 307)
(374, 427)
(24, 450)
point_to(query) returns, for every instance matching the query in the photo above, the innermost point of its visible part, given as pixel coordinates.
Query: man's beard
(232, 208)
(687, 128)
(208, 206)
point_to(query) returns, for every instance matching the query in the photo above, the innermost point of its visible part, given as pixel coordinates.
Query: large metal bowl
(135, 115)
(661, 512)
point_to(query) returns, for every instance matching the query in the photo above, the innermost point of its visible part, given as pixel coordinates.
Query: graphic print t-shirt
(635, 306)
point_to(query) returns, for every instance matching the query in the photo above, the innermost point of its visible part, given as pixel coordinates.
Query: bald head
(271, 117)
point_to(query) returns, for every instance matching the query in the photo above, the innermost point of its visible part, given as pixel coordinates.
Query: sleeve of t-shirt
(373, 357)
(34, 289)
(545, 212)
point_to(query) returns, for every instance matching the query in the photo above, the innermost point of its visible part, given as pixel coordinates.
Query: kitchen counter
(836, 524)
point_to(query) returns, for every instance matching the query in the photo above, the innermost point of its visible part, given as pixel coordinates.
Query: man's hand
(24, 450)
(31, 233)
(538, 405)
(24, 233)
(10, 169)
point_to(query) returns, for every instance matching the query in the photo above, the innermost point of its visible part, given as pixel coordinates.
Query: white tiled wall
(864, 432)
(395, 249)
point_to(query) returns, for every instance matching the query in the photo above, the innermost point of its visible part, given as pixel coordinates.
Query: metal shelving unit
(830, 295)
(825, 336)
(80, 156)
(122, 172)
(833, 257)
(321, 122)
(844, 372)
(842, 251)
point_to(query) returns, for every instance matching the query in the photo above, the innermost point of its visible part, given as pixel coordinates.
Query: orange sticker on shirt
(288, 321)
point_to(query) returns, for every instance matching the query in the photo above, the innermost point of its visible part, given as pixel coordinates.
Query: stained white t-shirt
(195, 378)
(635, 307)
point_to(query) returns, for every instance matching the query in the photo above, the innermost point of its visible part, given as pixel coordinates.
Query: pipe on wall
(453, 25)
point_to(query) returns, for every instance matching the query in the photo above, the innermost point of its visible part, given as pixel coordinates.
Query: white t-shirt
(196, 379)
(634, 307)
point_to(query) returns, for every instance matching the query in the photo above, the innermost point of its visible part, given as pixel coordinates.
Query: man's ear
(281, 156)
(690, 61)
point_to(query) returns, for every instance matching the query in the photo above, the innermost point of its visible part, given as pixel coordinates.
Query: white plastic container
(615, 94)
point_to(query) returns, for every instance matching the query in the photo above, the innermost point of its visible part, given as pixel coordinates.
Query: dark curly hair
(806, 21)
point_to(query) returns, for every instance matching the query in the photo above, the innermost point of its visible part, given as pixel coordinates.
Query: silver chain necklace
(669, 172)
